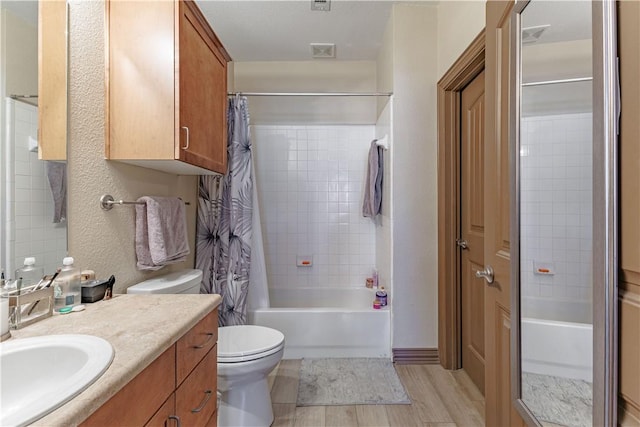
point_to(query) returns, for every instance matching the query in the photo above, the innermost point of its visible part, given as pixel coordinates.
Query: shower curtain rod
(310, 94)
(554, 82)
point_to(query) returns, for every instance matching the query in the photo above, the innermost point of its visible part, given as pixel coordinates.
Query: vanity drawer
(195, 344)
(161, 418)
(136, 403)
(198, 392)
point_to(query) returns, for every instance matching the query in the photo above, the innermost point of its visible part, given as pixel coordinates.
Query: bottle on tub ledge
(66, 287)
(381, 296)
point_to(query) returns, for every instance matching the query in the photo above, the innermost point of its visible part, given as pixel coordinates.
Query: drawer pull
(207, 396)
(204, 344)
(177, 420)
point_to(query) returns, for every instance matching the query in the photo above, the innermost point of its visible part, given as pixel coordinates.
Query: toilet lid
(242, 343)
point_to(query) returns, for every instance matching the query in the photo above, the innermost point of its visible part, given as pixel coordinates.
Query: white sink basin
(40, 374)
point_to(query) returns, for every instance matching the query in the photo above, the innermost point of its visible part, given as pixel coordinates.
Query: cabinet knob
(186, 145)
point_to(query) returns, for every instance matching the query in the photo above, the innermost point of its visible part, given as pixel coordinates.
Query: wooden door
(629, 308)
(472, 228)
(202, 129)
(499, 411)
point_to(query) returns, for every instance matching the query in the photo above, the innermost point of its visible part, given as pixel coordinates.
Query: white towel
(161, 232)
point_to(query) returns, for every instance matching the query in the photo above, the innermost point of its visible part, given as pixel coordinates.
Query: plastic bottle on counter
(381, 296)
(29, 272)
(66, 287)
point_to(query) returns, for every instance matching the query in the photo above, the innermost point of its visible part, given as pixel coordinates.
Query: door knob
(462, 243)
(487, 274)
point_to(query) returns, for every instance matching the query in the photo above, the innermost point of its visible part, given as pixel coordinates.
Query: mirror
(28, 203)
(563, 300)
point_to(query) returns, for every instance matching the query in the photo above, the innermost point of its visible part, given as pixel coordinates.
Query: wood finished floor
(439, 398)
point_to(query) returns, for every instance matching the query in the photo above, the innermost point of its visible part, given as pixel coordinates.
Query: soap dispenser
(29, 272)
(66, 287)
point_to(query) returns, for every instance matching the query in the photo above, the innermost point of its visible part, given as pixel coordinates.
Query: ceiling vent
(533, 34)
(323, 50)
(321, 5)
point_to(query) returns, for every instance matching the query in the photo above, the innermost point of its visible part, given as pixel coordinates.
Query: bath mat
(325, 382)
(558, 400)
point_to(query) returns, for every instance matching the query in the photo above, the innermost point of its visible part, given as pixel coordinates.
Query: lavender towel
(372, 203)
(57, 176)
(161, 232)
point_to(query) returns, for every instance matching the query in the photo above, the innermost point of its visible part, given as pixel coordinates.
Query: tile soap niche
(304, 260)
(544, 268)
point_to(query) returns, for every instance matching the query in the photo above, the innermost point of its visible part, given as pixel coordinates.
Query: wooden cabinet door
(499, 410)
(202, 130)
(52, 80)
(196, 398)
(629, 312)
(162, 417)
(140, 399)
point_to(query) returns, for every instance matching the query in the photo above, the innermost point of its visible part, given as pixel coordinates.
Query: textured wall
(19, 47)
(459, 22)
(99, 240)
(414, 181)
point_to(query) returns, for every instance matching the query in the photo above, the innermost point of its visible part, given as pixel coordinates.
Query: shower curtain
(224, 232)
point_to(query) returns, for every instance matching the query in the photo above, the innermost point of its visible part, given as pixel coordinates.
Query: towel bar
(107, 201)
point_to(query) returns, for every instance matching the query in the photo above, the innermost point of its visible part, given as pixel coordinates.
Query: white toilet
(246, 356)
(180, 282)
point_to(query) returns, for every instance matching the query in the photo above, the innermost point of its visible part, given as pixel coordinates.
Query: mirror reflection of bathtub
(327, 322)
(559, 339)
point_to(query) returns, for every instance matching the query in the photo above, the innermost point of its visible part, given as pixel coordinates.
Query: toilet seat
(243, 343)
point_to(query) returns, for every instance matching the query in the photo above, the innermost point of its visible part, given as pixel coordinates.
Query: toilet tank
(180, 282)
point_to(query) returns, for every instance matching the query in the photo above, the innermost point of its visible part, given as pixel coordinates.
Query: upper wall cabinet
(166, 88)
(52, 80)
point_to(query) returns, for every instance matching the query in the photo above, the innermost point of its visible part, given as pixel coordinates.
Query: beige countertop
(139, 327)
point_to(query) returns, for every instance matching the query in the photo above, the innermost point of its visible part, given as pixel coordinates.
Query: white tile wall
(29, 218)
(311, 185)
(556, 199)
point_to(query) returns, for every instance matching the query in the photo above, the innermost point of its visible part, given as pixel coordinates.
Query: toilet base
(249, 405)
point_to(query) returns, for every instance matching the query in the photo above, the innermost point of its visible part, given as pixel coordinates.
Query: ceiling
(281, 30)
(565, 20)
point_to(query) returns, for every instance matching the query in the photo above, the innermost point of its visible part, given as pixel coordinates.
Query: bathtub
(327, 322)
(560, 349)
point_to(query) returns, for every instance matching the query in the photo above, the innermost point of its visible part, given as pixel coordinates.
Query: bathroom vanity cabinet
(166, 78)
(179, 385)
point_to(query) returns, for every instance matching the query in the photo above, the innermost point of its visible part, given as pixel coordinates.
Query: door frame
(450, 87)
